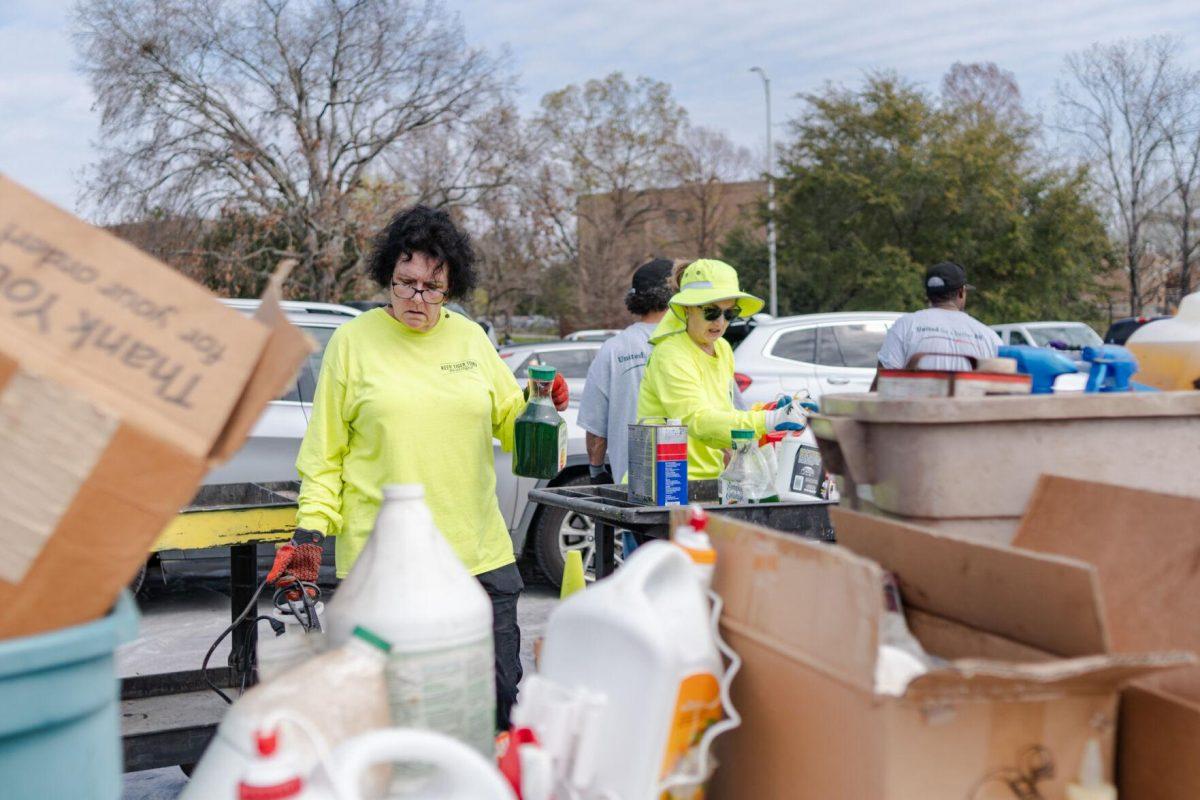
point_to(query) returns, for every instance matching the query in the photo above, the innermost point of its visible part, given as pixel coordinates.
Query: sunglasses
(712, 312)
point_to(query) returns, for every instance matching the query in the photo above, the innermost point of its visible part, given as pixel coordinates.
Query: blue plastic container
(60, 734)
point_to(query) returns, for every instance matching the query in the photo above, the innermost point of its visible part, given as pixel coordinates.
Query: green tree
(881, 181)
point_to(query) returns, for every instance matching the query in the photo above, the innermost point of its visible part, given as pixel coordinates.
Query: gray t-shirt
(610, 396)
(937, 330)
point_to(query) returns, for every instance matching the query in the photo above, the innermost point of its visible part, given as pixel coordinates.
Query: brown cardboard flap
(1145, 546)
(98, 315)
(979, 679)
(1048, 602)
(283, 354)
(811, 603)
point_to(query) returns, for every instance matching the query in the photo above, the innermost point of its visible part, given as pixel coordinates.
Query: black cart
(610, 509)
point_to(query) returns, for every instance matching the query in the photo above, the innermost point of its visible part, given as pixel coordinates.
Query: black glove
(601, 475)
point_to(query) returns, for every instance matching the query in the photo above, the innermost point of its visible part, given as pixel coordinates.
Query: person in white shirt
(610, 395)
(943, 329)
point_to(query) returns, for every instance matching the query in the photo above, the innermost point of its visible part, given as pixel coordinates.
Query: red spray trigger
(267, 743)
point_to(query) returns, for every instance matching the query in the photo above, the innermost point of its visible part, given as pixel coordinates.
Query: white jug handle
(466, 775)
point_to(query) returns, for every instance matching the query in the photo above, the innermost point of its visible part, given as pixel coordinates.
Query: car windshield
(1074, 336)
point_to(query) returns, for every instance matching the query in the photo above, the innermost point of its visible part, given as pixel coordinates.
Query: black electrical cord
(252, 605)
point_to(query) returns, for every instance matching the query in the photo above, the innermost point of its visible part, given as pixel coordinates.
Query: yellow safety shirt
(683, 382)
(393, 405)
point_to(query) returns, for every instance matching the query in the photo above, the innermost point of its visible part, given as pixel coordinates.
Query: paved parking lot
(179, 625)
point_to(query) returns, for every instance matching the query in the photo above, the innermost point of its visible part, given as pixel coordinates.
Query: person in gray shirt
(610, 395)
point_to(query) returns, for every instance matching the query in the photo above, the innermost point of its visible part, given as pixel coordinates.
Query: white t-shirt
(610, 396)
(937, 330)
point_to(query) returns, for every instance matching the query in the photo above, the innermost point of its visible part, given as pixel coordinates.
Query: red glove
(560, 393)
(298, 560)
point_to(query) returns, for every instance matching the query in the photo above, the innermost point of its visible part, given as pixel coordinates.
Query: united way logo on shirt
(460, 366)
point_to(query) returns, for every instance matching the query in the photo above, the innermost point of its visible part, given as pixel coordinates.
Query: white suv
(823, 353)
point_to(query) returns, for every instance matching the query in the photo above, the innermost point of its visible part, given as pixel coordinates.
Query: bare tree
(1115, 106)
(295, 114)
(606, 146)
(1181, 130)
(983, 88)
(702, 165)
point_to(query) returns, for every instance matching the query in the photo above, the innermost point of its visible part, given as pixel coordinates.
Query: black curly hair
(645, 298)
(421, 229)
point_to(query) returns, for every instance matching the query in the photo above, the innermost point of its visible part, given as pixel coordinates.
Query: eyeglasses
(407, 291)
(712, 312)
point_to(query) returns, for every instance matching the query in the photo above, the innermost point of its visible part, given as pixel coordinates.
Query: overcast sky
(704, 50)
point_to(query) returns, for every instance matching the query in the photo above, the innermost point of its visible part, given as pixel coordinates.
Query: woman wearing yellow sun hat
(689, 376)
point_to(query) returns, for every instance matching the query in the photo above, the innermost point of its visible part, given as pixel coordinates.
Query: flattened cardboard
(1146, 548)
(812, 730)
(835, 599)
(1021, 596)
(98, 315)
(173, 379)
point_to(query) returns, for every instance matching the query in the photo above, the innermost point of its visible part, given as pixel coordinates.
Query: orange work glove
(298, 560)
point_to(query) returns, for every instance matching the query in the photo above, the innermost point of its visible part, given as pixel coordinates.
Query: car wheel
(558, 531)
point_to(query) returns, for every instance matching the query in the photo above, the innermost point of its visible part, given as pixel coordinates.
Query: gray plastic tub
(969, 465)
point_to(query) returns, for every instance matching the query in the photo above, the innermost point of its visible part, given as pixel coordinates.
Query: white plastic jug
(1168, 350)
(409, 586)
(640, 644)
(339, 694)
(459, 773)
(800, 473)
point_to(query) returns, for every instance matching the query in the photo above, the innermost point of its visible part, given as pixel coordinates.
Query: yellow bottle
(1091, 785)
(1168, 350)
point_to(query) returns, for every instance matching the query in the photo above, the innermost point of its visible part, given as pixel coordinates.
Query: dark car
(1121, 329)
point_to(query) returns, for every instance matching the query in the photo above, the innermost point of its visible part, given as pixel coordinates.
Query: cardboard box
(121, 383)
(1030, 678)
(1146, 548)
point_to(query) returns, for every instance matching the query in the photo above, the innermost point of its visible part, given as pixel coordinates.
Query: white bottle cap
(403, 491)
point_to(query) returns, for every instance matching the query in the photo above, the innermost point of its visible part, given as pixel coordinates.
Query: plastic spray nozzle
(1091, 770)
(1091, 784)
(266, 742)
(699, 518)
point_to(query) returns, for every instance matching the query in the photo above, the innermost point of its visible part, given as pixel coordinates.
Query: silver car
(269, 455)
(572, 360)
(821, 353)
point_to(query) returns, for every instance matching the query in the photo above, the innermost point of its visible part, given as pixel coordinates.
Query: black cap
(651, 275)
(945, 277)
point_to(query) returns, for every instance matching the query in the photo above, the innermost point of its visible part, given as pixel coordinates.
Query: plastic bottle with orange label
(1168, 350)
(639, 649)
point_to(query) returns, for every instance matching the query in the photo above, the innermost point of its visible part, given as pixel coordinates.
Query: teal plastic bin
(60, 733)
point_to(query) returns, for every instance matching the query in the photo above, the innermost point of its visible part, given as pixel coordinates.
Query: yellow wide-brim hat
(705, 282)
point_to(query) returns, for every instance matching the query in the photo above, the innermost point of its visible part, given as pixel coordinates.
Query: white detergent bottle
(328, 698)
(1168, 350)
(800, 476)
(409, 586)
(640, 643)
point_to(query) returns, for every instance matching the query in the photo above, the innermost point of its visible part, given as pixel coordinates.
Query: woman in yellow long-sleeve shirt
(413, 393)
(689, 376)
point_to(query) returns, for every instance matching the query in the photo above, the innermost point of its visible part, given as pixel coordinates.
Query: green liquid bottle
(541, 434)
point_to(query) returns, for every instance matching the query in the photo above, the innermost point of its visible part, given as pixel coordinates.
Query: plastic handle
(654, 567)
(464, 774)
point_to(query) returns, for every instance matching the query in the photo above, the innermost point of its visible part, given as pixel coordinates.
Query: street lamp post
(774, 297)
